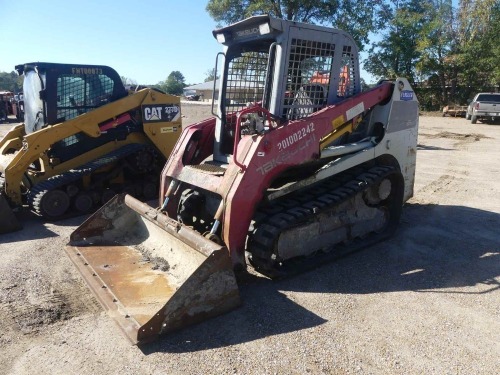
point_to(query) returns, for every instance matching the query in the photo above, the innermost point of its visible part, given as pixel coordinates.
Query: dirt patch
(193, 112)
(457, 136)
(425, 301)
(431, 113)
(31, 305)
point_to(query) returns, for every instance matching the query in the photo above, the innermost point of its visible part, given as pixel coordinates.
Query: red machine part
(260, 160)
(119, 120)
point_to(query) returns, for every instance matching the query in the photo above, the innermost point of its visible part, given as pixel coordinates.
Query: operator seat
(308, 99)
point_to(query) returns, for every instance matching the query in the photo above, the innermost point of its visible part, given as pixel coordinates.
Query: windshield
(488, 98)
(34, 118)
(245, 79)
(81, 93)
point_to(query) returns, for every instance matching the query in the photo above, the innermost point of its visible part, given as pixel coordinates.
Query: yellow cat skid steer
(84, 139)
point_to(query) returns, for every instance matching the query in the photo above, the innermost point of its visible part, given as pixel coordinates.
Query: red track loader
(292, 172)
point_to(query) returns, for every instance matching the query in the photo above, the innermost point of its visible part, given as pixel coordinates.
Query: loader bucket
(8, 220)
(153, 274)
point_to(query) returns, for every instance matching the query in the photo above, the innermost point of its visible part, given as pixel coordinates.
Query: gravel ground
(426, 301)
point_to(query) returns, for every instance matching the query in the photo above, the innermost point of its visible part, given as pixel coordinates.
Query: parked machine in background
(84, 139)
(19, 104)
(11, 105)
(298, 168)
(6, 109)
(454, 110)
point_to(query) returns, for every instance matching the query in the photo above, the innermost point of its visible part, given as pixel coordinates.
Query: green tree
(435, 46)
(11, 82)
(478, 50)
(173, 84)
(459, 49)
(356, 17)
(128, 81)
(447, 53)
(493, 36)
(360, 18)
(210, 75)
(396, 53)
(230, 11)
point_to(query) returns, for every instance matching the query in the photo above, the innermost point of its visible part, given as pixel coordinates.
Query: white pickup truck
(485, 107)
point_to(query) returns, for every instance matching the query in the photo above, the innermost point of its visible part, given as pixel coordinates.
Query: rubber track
(36, 192)
(292, 210)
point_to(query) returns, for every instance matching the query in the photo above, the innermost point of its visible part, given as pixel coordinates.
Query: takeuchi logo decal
(247, 32)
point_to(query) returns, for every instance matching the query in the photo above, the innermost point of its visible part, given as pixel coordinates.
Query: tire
(467, 116)
(83, 202)
(53, 204)
(473, 119)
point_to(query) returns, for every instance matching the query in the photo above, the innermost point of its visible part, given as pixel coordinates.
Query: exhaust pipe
(153, 274)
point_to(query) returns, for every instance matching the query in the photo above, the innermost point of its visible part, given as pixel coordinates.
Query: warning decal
(169, 129)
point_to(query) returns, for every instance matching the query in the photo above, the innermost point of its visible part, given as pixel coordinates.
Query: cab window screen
(308, 79)
(81, 93)
(245, 79)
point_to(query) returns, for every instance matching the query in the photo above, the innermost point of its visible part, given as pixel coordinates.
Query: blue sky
(141, 40)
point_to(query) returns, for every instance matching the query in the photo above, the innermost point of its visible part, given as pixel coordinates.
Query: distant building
(205, 90)
(239, 91)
